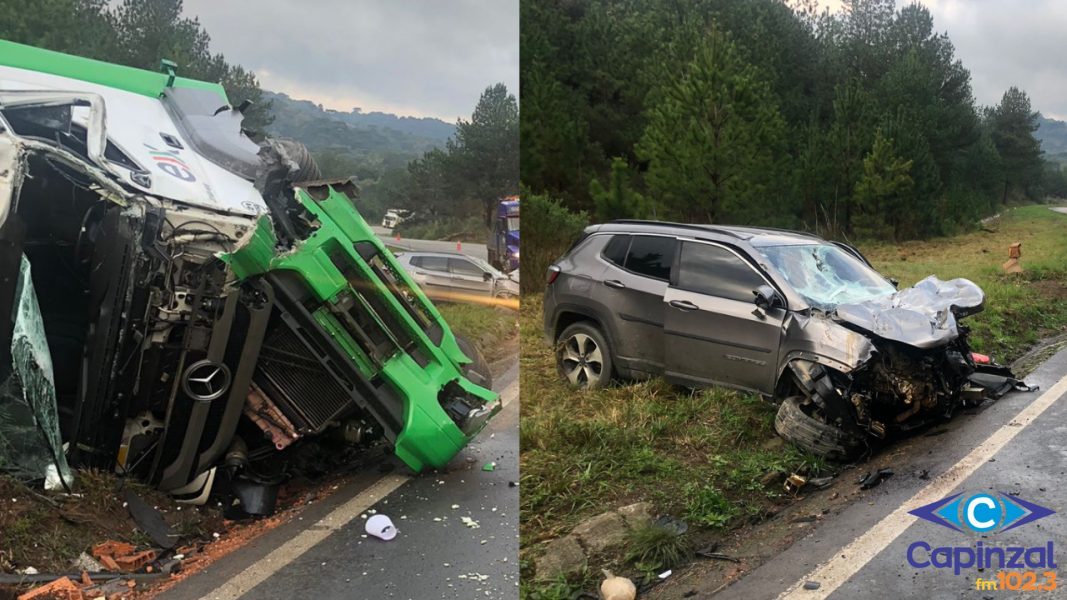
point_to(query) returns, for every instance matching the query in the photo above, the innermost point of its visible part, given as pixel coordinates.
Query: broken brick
(134, 562)
(60, 589)
(112, 548)
(110, 564)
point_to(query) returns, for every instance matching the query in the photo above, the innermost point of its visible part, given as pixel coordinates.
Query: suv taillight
(553, 273)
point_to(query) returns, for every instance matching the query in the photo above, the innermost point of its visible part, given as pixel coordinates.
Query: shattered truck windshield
(826, 275)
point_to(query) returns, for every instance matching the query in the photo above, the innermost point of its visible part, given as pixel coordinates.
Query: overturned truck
(208, 305)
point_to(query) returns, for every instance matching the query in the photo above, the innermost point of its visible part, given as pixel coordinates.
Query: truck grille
(296, 377)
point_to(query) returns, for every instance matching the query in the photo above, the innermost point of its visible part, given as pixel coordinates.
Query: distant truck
(394, 217)
(503, 246)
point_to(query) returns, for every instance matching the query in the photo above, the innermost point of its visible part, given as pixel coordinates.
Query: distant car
(394, 217)
(450, 276)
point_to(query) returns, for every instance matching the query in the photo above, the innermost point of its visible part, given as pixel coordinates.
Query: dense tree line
(478, 165)
(860, 122)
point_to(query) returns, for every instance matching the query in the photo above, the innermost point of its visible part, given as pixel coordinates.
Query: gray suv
(806, 322)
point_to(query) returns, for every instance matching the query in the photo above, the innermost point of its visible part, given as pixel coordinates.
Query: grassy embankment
(702, 455)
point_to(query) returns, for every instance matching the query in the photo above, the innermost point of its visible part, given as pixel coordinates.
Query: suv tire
(815, 436)
(478, 369)
(583, 356)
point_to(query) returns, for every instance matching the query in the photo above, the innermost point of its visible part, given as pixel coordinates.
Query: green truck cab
(207, 311)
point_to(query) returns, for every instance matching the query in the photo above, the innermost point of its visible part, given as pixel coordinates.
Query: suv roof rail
(741, 232)
(691, 226)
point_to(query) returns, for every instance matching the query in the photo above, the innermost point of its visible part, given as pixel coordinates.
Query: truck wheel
(809, 433)
(478, 370)
(583, 356)
(307, 168)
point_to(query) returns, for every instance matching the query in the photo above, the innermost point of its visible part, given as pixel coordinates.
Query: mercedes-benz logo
(206, 380)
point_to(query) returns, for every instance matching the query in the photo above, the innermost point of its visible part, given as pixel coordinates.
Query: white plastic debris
(665, 574)
(469, 522)
(381, 527)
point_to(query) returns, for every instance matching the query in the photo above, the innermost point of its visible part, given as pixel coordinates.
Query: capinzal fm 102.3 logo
(981, 513)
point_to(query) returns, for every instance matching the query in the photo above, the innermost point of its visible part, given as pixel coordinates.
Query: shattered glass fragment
(30, 444)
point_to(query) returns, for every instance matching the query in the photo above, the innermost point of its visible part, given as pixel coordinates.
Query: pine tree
(713, 136)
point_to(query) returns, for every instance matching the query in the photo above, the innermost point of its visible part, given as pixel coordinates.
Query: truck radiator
(294, 375)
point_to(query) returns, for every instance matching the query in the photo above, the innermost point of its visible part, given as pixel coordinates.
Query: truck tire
(307, 168)
(811, 434)
(478, 369)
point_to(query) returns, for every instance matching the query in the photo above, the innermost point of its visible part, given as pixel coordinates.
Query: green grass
(651, 548)
(701, 456)
(486, 326)
(469, 229)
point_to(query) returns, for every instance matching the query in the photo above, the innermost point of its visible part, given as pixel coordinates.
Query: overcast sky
(1002, 43)
(410, 57)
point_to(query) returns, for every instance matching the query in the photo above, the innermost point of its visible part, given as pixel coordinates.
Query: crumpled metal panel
(923, 316)
(30, 445)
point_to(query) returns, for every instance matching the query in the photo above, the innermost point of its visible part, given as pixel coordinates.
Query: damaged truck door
(207, 316)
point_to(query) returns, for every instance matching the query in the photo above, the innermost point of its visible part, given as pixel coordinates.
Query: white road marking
(308, 538)
(847, 561)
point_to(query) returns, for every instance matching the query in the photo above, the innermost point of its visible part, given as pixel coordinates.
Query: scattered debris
(671, 524)
(617, 588)
(489, 466)
(60, 589)
(381, 526)
(710, 552)
(469, 522)
(821, 482)
(150, 520)
(794, 483)
(665, 574)
(871, 480)
(922, 474)
(811, 585)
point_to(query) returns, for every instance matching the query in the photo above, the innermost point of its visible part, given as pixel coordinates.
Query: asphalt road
(1017, 445)
(326, 553)
(477, 250)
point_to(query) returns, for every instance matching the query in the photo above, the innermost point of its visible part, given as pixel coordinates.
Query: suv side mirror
(487, 276)
(767, 298)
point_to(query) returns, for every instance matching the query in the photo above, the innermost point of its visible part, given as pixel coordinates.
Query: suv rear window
(616, 249)
(651, 256)
(715, 271)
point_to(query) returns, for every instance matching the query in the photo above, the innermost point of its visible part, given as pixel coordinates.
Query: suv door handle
(683, 305)
(615, 283)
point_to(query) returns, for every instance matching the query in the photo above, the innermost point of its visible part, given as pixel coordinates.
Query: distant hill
(373, 137)
(1053, 137)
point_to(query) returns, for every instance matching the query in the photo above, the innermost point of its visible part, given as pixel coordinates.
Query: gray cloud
(1010, 43)
(412, 57)
(1003, 44)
